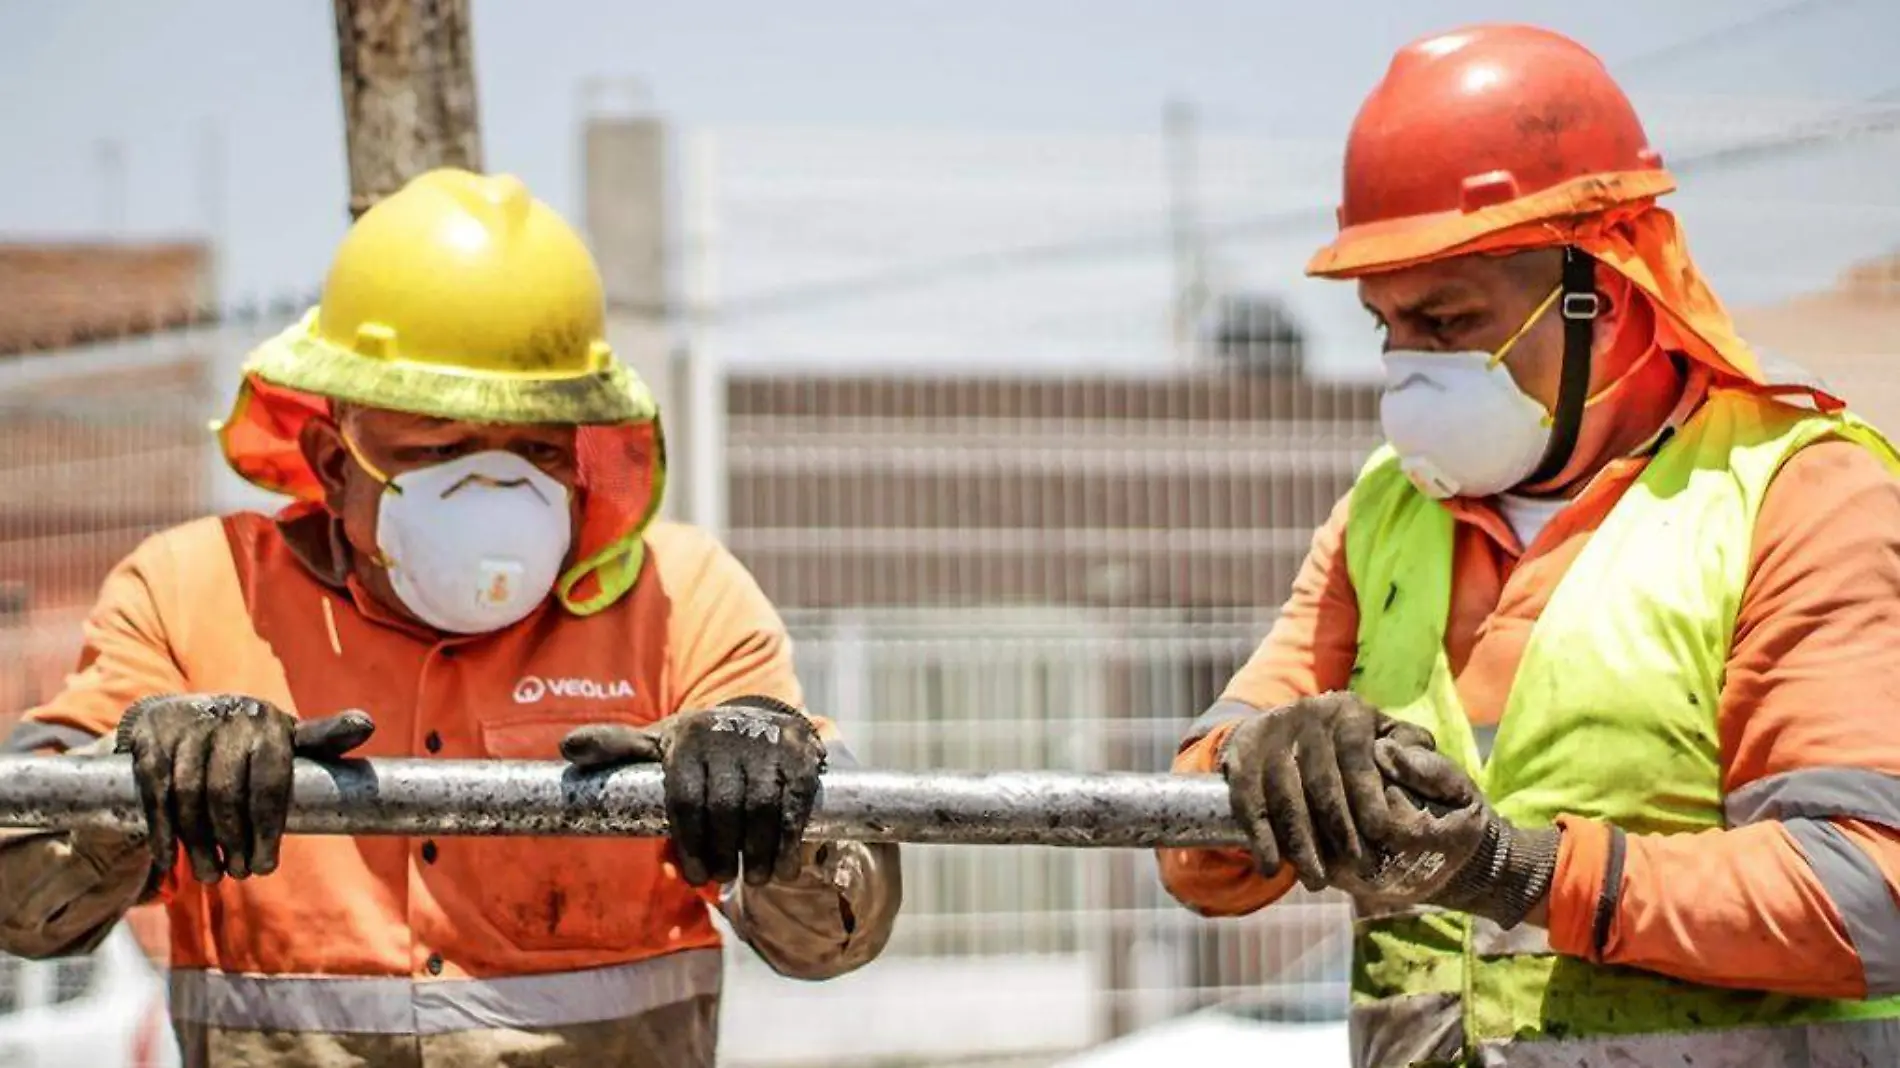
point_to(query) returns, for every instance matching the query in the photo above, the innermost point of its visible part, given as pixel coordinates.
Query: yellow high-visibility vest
(1612, 715)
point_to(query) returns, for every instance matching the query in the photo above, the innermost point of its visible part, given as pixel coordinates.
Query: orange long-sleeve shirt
(491, 946)
(1812, 682)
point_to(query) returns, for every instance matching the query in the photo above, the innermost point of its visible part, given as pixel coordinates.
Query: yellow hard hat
(463, 297)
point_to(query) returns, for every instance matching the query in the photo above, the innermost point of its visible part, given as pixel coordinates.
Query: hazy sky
(251, 84)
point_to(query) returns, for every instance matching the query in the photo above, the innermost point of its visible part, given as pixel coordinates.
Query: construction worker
(471, 570)
(1662, 582)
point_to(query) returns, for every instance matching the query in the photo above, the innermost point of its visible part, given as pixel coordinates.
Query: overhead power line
(1858, 121)
(1720, 36)
(1293, 222)
(1865, 118)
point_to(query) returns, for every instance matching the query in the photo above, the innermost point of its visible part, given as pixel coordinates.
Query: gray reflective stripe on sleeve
(1817, 793)
(1412, 1029)
(396, 1005)
(30, 737)
(1223, 712)
(1859, 890)
(1843, 1044)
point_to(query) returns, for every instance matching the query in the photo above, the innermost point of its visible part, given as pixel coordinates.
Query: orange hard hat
(1484, 117)
(1495, 139)
(1480, 127)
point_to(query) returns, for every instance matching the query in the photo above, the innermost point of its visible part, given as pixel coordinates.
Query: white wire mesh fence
(101, 445)
(1017, 572)
(1037, 951)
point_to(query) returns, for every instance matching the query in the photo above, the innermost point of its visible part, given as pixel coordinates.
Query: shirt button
(428, 852)
(435, 964)
(674, 934)
(433, 743)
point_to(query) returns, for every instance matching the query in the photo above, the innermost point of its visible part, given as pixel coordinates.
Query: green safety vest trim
(1626, 662)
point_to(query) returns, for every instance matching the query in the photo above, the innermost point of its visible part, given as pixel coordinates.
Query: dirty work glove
(214, 771)
(1304, 786)
(741, 780)
(1448, 847)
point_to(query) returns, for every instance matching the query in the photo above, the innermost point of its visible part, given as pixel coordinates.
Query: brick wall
(54, 295)
(96, 453)
(91, 462)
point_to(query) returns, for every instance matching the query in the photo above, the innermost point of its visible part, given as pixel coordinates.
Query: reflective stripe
(1407, 1030)
(1859, 890)
(399, 1006)
(383, 1006)
(1817, 793)
(1524, 995)
(1222, 713)
(1804, 801)
(31, 737)
(1846, 1044)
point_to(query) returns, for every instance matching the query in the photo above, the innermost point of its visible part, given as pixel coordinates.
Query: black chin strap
(1579, 305)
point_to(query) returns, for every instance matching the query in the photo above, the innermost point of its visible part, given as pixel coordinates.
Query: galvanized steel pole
(505, 797)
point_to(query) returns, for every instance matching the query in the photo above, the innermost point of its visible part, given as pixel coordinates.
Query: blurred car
(1309, 1032)
(106, 1009)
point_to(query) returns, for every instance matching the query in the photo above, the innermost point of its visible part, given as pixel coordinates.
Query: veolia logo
(533, 688)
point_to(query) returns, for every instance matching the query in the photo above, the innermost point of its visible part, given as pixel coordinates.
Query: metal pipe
(513, 797)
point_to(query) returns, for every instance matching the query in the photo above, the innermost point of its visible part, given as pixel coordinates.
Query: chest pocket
(558, 893)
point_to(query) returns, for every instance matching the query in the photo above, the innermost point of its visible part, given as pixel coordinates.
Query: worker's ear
(321, 442)
(1614, 294)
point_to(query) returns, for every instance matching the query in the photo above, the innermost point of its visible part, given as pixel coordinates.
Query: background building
(94, 452)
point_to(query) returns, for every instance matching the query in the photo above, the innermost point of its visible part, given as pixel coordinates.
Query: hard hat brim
(300, 359)
(1391, 244)
(1621, 229)
(619, 443)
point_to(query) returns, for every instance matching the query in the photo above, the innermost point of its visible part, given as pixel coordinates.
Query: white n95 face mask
(475, 544)
(1459, 422)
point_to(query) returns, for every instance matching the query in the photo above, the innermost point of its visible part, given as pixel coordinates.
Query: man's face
(1475, 304)
(397, 442)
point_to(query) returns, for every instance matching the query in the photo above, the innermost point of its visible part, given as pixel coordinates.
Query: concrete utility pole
(1180, 141)
(408, 92)
(628, 179)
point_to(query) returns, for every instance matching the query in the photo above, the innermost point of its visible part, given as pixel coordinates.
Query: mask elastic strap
(1510, 342)
(379, 558)
(362, 461)
(1580, 308)
(1641, 362)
